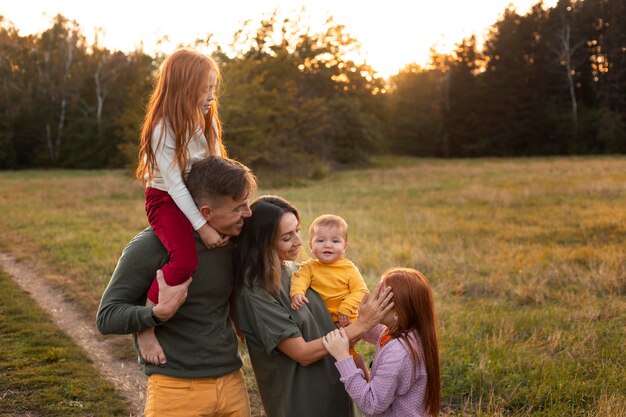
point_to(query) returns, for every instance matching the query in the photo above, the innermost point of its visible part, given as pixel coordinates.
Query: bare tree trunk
(49, 141)
(100, 96)
(445, 101)
(44, 75)
(101, 90)
(57, 144)
(66, 75)
(69, 59)
(101, 93)
(108, 70)
(566, 57)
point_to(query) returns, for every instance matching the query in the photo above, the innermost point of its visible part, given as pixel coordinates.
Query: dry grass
(527, 258)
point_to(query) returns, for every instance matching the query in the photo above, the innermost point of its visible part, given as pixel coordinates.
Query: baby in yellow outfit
(336, 279)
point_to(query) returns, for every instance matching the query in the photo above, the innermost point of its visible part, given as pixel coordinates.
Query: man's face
(227, 217)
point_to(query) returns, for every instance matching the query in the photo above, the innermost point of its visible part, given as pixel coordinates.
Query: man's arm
(122, 307)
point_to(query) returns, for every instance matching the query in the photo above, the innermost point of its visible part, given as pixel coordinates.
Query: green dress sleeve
(270, 323)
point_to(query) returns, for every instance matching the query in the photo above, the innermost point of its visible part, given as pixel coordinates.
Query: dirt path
(126, 376)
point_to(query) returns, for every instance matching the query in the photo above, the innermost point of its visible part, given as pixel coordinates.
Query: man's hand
(170, 298)
(298, 301)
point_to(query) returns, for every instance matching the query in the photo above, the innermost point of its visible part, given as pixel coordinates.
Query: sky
(392, 33)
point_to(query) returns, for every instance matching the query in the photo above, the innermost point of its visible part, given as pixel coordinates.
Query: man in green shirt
(202, 375)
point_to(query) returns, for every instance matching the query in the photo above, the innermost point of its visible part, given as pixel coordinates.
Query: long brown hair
(415, 310)
(256, 261)
(174, 100)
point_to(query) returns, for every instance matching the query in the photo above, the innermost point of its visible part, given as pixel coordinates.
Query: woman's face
(288, 241)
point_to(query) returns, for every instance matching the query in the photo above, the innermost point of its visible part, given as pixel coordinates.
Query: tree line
(551, 81)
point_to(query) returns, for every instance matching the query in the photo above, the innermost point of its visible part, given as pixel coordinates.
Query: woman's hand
(337, 344)
(374, 307)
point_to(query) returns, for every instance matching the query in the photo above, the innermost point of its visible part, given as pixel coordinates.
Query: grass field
(42, 372)
(527, 258)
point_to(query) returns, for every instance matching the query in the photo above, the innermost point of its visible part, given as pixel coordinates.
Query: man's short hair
(215, 177)
(328, 220)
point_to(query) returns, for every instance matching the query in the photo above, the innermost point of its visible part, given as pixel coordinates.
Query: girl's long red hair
(174, 100)
(415, 309)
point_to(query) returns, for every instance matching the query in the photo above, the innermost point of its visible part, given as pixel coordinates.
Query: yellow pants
(225, 396)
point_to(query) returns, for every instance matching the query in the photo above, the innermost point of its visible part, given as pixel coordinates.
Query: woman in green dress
(294, 372)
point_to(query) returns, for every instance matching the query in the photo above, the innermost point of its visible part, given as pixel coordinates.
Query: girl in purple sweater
(405, 373)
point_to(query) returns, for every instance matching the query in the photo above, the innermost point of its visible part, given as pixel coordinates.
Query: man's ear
(206, 211)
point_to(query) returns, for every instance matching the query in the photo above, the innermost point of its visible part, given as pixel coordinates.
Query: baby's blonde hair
(328, 220)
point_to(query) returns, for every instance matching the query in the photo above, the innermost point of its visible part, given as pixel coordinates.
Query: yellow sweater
(340, 285)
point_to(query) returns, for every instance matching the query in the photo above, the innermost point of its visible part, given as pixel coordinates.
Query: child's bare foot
(150, 348)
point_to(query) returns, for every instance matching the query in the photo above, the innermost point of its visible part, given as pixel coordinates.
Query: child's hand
(337, 344)
(211, 238)
(344, 320)
(298, 301)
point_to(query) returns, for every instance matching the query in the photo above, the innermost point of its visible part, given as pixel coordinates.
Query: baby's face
(328, 244)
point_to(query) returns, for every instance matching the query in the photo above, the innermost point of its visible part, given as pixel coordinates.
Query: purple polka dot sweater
(392, 391)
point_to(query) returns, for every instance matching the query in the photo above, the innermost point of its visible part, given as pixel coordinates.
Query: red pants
(175, 233)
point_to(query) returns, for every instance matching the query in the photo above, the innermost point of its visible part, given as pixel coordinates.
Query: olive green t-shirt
(287, 388)
(199, 341)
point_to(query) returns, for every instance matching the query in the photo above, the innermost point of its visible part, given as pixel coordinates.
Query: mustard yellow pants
(225, 396)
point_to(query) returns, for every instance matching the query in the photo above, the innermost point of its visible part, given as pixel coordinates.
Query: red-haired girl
(181, 126)
(405, 377)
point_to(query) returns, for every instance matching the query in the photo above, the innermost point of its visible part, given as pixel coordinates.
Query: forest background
(551, 81)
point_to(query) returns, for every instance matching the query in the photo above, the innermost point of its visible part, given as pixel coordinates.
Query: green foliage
(552, 81)
(296, 104)
(414, 110)
(293, 101)
(43, 372)
(66, 103)
(611, 131)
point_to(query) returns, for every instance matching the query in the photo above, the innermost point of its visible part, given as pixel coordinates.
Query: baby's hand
(337, 344)
(298, 301)
(344, 320)
(211, 238)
